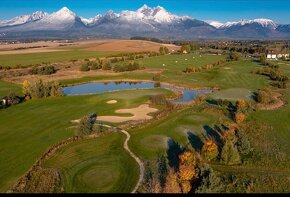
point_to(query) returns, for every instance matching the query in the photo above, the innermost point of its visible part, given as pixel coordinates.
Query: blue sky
(218, 10)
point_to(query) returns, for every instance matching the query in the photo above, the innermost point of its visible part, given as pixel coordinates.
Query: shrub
(233, 56)
(158, 99)
(45, 70)
(156, 77)
(13, 99)
(106, 65)
(263, 96)
(84, 68)
(39, 89)
(56, 90)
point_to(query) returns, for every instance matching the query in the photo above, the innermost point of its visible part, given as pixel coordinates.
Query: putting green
(96, 165)
(233, 94)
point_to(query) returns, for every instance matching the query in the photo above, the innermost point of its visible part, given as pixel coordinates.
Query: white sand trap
(139, 113)
(111, 102)
(227, 68)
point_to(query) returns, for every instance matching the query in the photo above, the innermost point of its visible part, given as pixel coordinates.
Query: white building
(276, 56)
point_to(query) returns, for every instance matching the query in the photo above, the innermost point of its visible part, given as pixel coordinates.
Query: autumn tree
(187, 173)
(240, 104)
(26, 88)
(56, 90)
(39, 89)
(172, 183)
(209, 150)
(239, 117)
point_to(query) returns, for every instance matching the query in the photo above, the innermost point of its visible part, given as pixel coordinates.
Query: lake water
(101, 87)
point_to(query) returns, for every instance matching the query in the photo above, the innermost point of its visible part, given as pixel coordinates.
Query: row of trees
(273, 72)
(206, 67)
(44, 70)
(41, 89)
(129, 66)
(106, 64)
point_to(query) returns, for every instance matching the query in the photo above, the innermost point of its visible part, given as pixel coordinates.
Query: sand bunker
(139, 113)
(111, 102)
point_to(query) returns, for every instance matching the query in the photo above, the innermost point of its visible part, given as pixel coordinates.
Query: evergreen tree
(230, 154)
(85, 126)
(210, 182)
(162, 171)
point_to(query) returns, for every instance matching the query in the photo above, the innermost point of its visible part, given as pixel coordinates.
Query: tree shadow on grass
(195, 141)
(214, 133)
(173, 151)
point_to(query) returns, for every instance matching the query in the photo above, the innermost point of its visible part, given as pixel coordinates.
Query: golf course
(101, 164)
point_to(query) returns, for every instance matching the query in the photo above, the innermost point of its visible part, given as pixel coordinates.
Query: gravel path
(141, 165)
(137, 159)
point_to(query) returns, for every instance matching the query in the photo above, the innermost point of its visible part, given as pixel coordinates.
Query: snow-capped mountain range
(145, 21)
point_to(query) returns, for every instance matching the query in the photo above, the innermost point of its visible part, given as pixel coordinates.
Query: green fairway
(7, 87)
(98, 165)
(29, 128)
(182, 127)
(49, 57)
(229, 75)
(280, 121)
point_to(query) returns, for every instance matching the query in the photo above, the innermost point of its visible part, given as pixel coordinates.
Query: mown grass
(7, 87)
(98, 165)
(152, 141)
(29, 128)
(26, 59)
(236, 74)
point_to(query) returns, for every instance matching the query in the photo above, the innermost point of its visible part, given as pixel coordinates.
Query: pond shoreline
(182, 94)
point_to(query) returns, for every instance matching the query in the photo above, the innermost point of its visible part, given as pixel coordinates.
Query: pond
(101, 87)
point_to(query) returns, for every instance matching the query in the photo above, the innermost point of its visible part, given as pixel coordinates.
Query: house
(277, 55)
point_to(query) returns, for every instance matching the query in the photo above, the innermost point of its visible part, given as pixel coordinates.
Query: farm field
(73, 51)
(49, 57)
(28, 129)
(98, 165)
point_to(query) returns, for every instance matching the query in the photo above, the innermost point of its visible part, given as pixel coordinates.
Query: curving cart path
(137, 159)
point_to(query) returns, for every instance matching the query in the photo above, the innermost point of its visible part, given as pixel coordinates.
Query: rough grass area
(98, 165)
(29, 128)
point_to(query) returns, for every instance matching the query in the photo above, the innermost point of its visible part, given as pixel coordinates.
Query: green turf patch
(29, 128)
(233, 94)
(98, 165)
